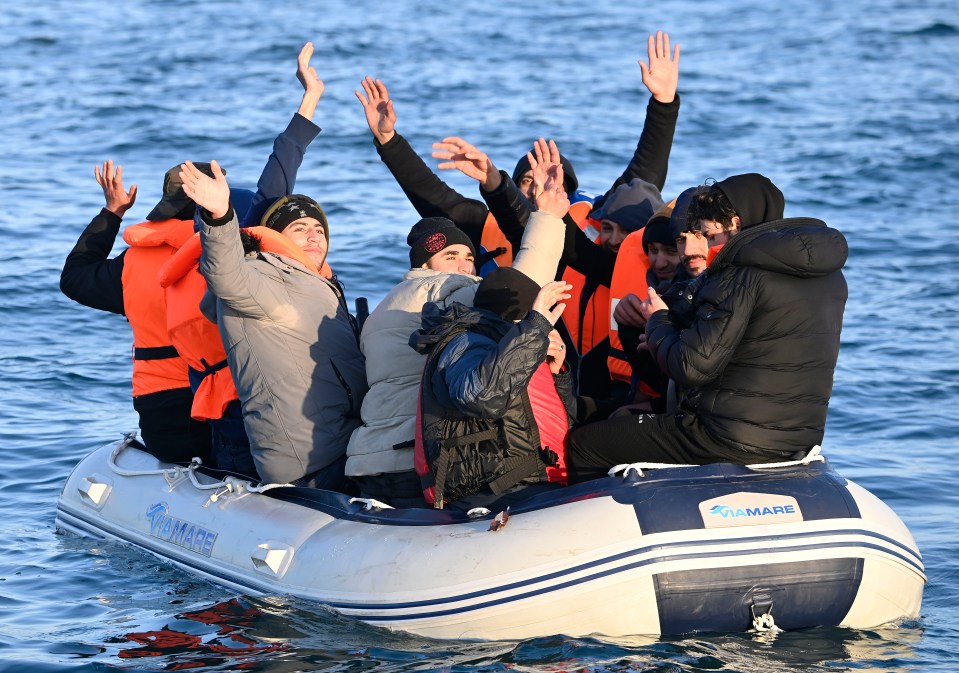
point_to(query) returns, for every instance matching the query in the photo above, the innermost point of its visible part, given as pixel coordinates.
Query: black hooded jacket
(758, 348)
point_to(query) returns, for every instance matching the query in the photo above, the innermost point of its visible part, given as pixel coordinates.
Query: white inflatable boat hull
(712, 548)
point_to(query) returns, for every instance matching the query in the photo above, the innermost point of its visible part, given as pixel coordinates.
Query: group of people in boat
(538, 338)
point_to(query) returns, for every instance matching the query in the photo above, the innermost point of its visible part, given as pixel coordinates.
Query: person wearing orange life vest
(647, 259)
(127, 285)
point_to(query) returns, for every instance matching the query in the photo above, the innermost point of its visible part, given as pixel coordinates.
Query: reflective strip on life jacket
(629, 277)
(151, 245)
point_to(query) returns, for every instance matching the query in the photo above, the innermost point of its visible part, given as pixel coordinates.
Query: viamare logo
(749, 509)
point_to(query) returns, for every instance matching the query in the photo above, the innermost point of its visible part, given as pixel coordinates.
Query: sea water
(850, 107)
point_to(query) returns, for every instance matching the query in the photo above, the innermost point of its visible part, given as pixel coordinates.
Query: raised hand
(212, 194)
(378, 108)
(549, 301)
(313, 86)
(311, 82)
(464, 157)
(118, 199)
(661, 76)
(549, 191)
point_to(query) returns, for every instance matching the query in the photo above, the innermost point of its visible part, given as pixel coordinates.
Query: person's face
(525, 184)
(611, 235)
(663, 260)
(307, 232)
(456, 258)
(693, 250)
(714, 232)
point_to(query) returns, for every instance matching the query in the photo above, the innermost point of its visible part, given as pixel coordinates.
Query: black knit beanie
(432, 235)
(657, 230)
(507, 292)
(291, 208)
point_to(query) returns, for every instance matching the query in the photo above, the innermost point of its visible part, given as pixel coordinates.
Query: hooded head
(507, 292)
(722, 209)
(624, 211)
(175, 204)
(754, 198)
(431, 236)
(570, 183)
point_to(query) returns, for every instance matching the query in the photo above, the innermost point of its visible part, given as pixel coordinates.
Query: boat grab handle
(814, 455)
(226, 485)
(370, 503)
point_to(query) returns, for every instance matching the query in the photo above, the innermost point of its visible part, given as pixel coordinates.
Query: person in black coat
(754, 349)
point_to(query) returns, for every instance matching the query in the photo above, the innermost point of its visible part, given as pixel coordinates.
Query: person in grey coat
(290, 340)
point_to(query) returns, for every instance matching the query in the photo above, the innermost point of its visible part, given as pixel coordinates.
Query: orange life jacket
(588, 325)
(629, 277)
(196, 338)
(156, 364)
(493, 237)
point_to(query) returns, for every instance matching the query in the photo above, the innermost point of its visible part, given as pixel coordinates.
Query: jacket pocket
(346, 389)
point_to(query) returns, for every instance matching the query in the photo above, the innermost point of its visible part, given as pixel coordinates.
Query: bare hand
(628, 311)
(464, 157)
(549, 190)
(118, 199)
(313, 86)
(311, 82)
(555, 352)
(549, 301)
(653, 304)
(661, 77)
(212, 194)
(378, 107)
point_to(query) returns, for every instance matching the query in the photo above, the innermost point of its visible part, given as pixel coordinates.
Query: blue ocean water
(851, 108)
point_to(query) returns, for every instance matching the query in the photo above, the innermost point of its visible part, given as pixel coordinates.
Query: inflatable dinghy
(668, 550)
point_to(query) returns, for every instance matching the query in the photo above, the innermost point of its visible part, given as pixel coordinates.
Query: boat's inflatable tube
(665, 551)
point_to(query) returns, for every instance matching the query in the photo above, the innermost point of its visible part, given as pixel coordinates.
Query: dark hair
(710, 203)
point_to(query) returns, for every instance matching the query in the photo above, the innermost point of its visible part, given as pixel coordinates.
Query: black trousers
(646, 438)
(167, 430)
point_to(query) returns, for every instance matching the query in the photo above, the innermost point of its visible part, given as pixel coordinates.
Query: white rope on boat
(370, 503)
(226, 485)
(814, 455)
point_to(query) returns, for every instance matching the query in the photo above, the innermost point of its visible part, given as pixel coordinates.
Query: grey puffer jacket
(383, 444)
(293, 351)
(758, 347)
